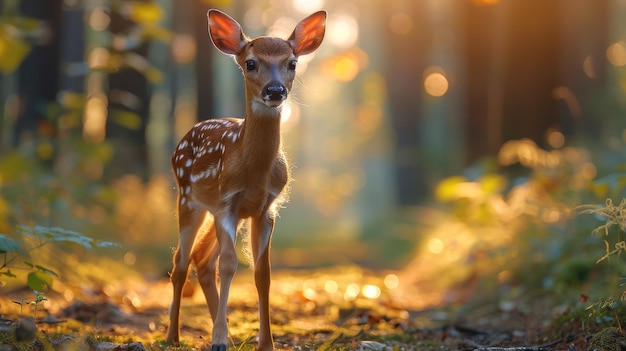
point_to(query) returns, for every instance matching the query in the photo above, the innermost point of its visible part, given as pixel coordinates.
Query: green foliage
(613, 216)
(16, 253)
(613, 230)
(511, 221)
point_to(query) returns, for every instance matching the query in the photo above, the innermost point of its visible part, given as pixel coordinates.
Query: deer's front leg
(226, 230)
(261, 233)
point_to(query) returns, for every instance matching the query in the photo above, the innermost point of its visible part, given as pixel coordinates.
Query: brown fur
(231, 170)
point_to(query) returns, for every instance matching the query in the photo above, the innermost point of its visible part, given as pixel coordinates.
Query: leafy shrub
(18, 254)
(613, 231)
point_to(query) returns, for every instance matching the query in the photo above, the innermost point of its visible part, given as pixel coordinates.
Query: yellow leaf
(159, 33)
(12, 51)
(217, 3)
(128, 119)
(71, 100)
(492, 183)
(600, 189)
(153, 75)
(146, 12)
(447, 189)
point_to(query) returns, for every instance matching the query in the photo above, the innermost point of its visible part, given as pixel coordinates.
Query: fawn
(229, 170)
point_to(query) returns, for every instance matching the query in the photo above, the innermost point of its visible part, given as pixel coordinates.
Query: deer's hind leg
(189, 222)
(205, 254)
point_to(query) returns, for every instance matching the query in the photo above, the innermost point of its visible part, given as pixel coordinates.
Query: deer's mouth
(274, 93)
(266, 107)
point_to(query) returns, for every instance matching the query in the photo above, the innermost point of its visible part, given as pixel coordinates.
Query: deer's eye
(292, 65)
(250, 65)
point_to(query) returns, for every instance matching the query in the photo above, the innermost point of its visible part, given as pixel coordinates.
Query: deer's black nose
(274, 91)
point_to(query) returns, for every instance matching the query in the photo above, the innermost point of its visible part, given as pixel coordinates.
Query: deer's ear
(308, 34)
(225, 32)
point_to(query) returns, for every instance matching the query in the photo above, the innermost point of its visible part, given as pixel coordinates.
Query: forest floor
(344, 308)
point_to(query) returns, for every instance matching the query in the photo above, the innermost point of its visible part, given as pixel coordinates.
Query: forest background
(452, 140)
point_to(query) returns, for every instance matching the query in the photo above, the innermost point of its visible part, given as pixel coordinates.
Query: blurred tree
(38, 75)
(129, 96)
(526, 76)
(406, 63)
(516, 69)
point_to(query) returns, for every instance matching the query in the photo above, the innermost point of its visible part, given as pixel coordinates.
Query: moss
(608, 339)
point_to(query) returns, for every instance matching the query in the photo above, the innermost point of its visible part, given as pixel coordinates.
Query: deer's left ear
(308, 34)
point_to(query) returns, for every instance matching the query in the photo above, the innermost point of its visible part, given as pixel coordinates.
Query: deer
(231, 171)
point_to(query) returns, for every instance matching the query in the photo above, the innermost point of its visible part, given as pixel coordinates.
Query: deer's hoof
(218, 347)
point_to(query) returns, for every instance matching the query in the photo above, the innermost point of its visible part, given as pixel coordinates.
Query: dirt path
(345, 308)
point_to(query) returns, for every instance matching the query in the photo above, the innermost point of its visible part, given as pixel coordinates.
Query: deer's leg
(205, 254)
(226, 230)
(189, 221)
(261, 233)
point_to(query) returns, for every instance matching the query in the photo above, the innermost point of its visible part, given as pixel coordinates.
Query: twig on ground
(519, 348)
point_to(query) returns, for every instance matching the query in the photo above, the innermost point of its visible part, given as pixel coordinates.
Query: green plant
(38, 299)
(14, 252)
(613, 230)
(614, 216)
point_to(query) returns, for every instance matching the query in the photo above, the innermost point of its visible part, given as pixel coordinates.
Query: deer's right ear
(225, 32)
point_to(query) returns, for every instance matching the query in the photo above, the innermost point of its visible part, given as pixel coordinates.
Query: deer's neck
(261, 136)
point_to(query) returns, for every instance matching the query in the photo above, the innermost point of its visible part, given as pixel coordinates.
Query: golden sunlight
(435, 246)
(331, 286)
(346, 66)
(99, 58)
(435, 82)
(342, 31)
(616, 54)
(99, 19)
(556, 139)
(94, 126)
(391, 281)
(307, 6)
(352, 292)
(290, 116)
(371, 291)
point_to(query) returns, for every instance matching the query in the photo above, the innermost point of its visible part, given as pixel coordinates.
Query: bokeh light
(588, 67)
(99, 58)
(391, 281)
(371, 291)
(346, 66)
(99, 19)
(616, 54)
(352, 292)
(95, 118)
(307, 6)
(556, 139)
(183, 48)
(342, 31)
(331, 286)
(435, 246)
(435, 82)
